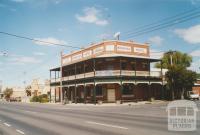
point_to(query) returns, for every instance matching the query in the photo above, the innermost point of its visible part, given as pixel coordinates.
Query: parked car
(192, 95)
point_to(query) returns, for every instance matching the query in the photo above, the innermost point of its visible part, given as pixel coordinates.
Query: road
(45, 119)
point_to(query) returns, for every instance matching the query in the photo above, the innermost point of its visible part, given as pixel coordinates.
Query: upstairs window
(123, 64)
(145, 65)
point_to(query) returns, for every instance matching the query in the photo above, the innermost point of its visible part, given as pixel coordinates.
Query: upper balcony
(110, 73)
(108, 67)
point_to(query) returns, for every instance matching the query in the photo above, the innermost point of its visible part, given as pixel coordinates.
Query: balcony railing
(106, 73)
(54, 80)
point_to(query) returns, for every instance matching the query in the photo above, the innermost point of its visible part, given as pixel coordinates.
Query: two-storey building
(107, 71)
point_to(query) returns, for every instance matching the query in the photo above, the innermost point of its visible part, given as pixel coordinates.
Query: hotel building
(108, 71)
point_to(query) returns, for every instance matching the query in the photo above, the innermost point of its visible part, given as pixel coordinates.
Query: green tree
(188, 79)
(178, 59)
(198, 76)
(7, 93)
(28, 90)
(179, 79)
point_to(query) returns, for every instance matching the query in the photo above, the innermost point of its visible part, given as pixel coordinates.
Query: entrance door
(111, 95)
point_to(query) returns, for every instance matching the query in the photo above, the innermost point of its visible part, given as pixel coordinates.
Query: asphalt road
(42, 119)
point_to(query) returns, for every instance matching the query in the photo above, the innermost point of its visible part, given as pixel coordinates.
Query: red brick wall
(196, 89)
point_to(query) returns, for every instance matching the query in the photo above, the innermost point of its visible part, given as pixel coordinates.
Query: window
(127, 90)
(88, 92)
(99, 91)
(133, 65)
(123, 66)
(110, 67)
(144, 65)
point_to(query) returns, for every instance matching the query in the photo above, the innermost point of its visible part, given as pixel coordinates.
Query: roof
(110, 48)
(136, 57)
(106, 41)
(55, 69)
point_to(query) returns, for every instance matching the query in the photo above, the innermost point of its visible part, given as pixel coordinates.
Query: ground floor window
(99, 91)
(127, 90)
(88, 92)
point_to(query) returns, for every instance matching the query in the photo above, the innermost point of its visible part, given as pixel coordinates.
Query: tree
(178, 59)
(188, 79)
(198, 76)
(179, 79)
(28, 90)
(7, 93)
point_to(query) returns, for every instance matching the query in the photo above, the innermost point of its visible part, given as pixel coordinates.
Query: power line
(159, 21)
(37, 40)
(162, 27)
(165, 23)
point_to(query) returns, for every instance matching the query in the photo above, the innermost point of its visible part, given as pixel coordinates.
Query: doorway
(111, 95)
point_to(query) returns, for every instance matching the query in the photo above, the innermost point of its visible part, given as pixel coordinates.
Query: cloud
(92, 15)
(195, 53)
(24, 60)
(48, 41)
(156, 54)
(104, 36)
(195, 66)
(190, 35)
(39, 53)
(157, 40)
(194, 2)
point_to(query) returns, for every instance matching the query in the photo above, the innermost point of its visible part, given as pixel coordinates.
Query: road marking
(8, 125)
(19, 131)
(30, 112)
(64, 108)
(106, 125)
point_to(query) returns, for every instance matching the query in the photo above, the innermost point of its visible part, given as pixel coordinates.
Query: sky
(79, 23)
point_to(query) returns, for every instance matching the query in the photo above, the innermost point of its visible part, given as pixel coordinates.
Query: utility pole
(171, 63)
(171, 53)
(61, 78)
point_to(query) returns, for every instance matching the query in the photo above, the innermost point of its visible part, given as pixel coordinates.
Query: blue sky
(81, 22)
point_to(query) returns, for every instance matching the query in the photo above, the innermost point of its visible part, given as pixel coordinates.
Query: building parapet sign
(130, 49)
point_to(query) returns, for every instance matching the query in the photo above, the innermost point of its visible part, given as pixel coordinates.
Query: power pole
(171, 63)
(61, 78)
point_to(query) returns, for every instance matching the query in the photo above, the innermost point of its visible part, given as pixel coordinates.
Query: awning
(55, 69)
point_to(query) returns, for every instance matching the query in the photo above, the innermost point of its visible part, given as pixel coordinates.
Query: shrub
(42, 98)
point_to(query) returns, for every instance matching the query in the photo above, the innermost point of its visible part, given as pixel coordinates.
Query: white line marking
(64, 108)
(19, 131)
(8, 125)
(30, 112)
(106, 125)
